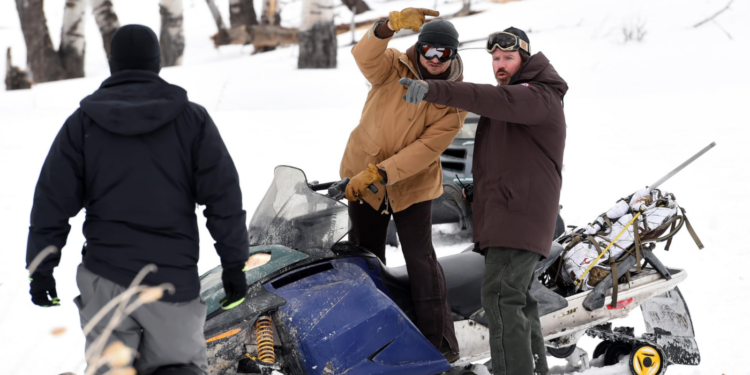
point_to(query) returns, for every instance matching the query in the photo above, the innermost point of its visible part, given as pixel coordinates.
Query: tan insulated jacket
(404, 139)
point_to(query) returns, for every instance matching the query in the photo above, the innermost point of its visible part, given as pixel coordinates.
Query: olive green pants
(516, 341)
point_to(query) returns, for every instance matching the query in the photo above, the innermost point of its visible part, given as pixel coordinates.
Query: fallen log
(260, 36)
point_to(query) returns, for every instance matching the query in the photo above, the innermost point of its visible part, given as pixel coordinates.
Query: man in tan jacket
(397, 147)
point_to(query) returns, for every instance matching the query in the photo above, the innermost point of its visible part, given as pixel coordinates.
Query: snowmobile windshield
(293, 215)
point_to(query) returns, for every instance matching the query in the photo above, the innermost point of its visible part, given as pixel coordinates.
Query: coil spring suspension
(264, 338)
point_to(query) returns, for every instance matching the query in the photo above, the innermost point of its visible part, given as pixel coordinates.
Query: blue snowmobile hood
(134, 102)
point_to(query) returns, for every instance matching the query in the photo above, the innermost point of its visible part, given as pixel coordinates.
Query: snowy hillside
(634, 111)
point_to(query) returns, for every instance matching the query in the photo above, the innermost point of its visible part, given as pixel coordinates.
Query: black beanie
(439, 32)
(520, 34)
(134, 47)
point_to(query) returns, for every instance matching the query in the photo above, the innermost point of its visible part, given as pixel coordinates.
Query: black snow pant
(516, 341)
(428, 290)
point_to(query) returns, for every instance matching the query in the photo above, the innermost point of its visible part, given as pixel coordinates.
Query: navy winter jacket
(138, 156)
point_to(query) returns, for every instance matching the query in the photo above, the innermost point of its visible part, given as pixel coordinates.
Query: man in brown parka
(518, 158)
(397, 147)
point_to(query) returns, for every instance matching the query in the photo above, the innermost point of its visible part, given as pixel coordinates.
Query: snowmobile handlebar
(337, 189)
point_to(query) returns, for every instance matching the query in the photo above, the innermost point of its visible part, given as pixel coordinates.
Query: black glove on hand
(235, 286)
(43, 284)
(416, 92)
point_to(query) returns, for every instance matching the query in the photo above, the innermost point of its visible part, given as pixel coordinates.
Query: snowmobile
(320, 305)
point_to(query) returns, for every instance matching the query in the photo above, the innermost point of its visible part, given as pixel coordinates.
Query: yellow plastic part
(647, 361)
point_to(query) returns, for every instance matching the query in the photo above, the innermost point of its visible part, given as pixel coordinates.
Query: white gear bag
(659, 211)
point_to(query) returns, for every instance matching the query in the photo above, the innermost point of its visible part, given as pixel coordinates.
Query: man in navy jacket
(138, 156)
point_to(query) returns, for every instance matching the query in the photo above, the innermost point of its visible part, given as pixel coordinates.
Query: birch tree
(106, 19)
(73, 39)
(171, 38)
(317, 35)
(222, 37)
(45, 62)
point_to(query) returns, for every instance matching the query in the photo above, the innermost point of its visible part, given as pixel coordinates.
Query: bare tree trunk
(15, 78)
(171, 38)
(317, 37)
(73, 39)
(356, 6)
(222, 37)
(106, 19)
(465, 10)
(43, 60)
(270, 14)
(242, 12)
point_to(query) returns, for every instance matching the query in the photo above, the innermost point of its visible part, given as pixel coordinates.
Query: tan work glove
(359, 183)
(410, 18)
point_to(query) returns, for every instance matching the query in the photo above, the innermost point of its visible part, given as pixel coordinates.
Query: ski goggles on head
(506, 41)
(429, 52)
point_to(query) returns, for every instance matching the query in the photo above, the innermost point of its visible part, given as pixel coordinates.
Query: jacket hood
(539, 70)
(456, 70)
(134, 102)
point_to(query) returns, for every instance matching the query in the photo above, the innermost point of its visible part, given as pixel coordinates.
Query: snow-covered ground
(634, 111)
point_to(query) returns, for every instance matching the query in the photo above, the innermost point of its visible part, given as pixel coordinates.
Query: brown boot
(448, 353)
(451, 356)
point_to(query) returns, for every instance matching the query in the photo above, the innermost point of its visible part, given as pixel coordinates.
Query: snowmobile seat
(463, 278)
(554, 252)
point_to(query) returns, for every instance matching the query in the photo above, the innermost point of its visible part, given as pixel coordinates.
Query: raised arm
(372, 55)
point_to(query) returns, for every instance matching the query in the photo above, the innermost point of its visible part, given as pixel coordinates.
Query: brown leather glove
(359, 183)
(410, 18)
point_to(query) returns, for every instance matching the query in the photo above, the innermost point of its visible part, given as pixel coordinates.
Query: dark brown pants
(428, 291)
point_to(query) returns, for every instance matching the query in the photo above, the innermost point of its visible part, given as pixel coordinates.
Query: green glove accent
(231, 305)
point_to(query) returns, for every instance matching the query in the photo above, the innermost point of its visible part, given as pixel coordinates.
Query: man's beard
(503, 81)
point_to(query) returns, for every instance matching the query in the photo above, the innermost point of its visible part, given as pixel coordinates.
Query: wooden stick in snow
(715, 15)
